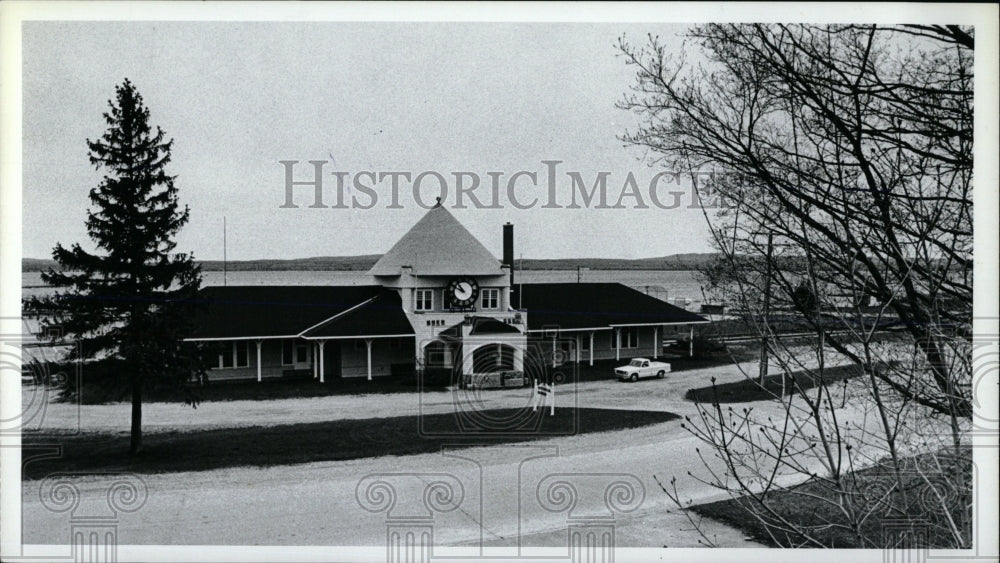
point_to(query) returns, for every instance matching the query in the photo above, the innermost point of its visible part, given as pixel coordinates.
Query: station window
(438, 357)
(293, 352)
(491, 299)
(234, 355)
(630, 337)
(425, 300)
(226, 356)
(242, 353)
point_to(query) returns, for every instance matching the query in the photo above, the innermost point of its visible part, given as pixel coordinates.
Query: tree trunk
(764, 343)
(135, 444)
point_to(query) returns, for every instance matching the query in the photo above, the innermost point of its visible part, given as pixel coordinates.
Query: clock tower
(449, 283)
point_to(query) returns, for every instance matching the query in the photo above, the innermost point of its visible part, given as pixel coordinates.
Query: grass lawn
(99, 392)
(278, 389)
(751, 390)
(322, 441)
(951, 478)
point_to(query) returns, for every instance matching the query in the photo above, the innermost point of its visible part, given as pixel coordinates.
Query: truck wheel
(660, 374)
(634, 378)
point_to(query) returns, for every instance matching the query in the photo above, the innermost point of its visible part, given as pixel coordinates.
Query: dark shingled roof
(451, 333)
(383, 316)
(287, 310)
(593, 305)
(480, 326)
(487, 325)
(249, 311)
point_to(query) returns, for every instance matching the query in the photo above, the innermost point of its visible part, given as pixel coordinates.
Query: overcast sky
(413, 97)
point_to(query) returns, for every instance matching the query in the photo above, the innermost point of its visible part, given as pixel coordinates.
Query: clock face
(463, 292)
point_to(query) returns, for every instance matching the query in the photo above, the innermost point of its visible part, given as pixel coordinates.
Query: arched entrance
(493, 357)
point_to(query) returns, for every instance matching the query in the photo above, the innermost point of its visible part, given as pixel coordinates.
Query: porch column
(576, 344)
(315, 366)
(368, 345)
(322, 356)
(656, 338)
(553, 350)
(591, 348)
(259, 375)
(691, 344)
(467, 354)
(618, 344)
(518, 359)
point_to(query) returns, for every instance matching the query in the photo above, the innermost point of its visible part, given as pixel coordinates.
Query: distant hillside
(691, 261)
(36, 264)
(319, 263)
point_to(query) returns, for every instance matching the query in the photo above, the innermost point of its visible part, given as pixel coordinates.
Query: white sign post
(544, 392)
(534, 395)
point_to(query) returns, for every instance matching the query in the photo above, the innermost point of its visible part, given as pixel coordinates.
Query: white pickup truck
(641, 367)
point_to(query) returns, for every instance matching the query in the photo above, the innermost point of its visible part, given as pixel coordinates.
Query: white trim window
(491, 298)
(424, 300)
(630, 337)
(237, 355)
(294, 352)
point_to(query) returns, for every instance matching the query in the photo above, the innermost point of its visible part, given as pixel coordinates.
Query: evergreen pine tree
(129, 302)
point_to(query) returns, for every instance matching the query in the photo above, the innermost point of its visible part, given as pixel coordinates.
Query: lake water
(675, 286)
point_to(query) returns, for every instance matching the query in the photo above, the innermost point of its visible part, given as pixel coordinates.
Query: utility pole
(764, 344)
(520, 284)
(224, 256)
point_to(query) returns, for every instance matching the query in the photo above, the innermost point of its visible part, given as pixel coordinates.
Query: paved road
(506, 492)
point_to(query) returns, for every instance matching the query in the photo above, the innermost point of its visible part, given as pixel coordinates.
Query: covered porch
(321, 358)
(231, 359)
(616, 342)
(366, 357)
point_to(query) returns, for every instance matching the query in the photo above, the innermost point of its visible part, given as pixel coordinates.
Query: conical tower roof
(438, 245)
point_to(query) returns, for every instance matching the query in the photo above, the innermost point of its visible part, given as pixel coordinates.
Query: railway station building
(438, 300)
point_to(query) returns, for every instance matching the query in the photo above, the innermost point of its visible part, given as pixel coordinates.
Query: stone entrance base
(495, 380)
